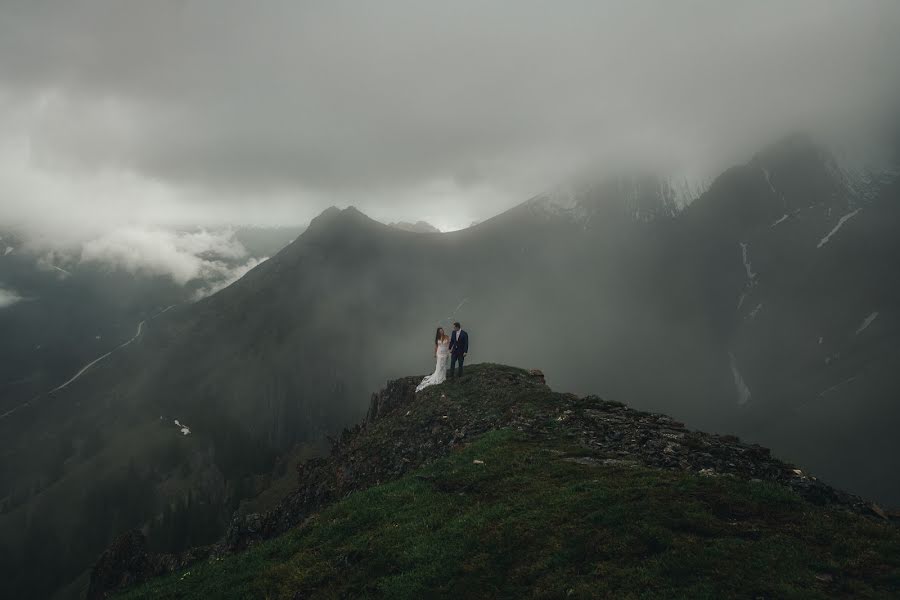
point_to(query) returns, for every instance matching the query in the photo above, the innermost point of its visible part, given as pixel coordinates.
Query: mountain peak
(334, 216)
(795, 151)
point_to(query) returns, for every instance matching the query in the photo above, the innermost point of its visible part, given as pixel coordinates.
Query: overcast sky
(134, 113)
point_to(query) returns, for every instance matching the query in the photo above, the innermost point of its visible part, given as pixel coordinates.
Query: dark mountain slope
(819, 261)
(496, 486)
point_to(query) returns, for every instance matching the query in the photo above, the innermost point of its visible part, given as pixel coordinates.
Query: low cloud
(211, 112)
(228, 277)
(204, 260)
(183, 256)
(8, 298)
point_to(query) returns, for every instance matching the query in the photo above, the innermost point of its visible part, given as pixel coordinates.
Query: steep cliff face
(407, 435)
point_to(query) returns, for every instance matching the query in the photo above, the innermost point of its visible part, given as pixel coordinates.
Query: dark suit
(459, 345)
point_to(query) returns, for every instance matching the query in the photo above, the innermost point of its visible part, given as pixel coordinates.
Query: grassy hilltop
(505, 489)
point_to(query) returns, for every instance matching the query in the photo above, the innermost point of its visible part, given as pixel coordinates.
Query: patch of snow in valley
(821, 339)
(743, 392)
(8, 250)
(185, 430)
(866, 322)
(840, 224)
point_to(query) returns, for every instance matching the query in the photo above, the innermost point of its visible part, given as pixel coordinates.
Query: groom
(459, 346)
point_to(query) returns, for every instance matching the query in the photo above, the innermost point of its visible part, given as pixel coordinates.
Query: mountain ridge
(405, 431)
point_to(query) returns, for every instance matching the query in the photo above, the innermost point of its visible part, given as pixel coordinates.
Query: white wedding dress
(440, 369)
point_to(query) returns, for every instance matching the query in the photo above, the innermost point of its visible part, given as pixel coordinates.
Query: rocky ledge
(405, 430)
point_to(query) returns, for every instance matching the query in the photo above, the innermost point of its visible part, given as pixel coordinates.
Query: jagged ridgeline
(496, 486)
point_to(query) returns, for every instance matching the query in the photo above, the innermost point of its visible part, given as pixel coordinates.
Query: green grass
(528, 523)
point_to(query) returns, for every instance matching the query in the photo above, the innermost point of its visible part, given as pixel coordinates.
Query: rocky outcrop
(395, 393)
(404, 430)
(127, 561)
(615, 432)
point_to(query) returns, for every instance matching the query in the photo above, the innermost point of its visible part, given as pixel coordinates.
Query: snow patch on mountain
(751, 276)
(837, 227)
(863, 175)
(185, 430)
(866, 322)
(745, 256)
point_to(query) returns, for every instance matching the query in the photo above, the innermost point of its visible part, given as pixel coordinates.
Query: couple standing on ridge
(451, 349)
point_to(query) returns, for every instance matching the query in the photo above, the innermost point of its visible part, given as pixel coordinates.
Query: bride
(442, 356)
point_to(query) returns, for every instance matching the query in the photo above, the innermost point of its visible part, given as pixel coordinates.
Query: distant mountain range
(767, 306)
(417, 227)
